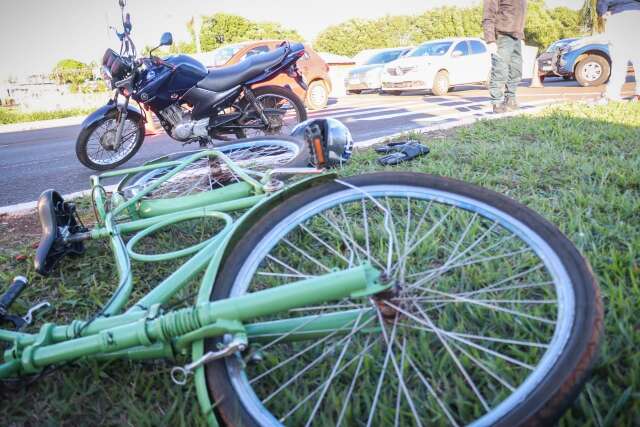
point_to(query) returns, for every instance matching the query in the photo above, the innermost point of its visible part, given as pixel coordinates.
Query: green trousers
(506, 69)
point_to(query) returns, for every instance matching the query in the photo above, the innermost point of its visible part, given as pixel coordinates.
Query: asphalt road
(32, 161)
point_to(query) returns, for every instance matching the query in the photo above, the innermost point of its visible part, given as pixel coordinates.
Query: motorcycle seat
(224, 78)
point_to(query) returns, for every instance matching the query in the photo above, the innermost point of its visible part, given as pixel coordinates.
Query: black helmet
(330, 142)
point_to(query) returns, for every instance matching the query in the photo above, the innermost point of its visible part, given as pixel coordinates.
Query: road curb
(29, 206)
(42, 124)
(475, 116)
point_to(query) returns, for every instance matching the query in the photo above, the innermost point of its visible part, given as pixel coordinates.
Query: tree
(223, 28)
(71, 71)
(545, 26)
(354, 35)
(271, 30)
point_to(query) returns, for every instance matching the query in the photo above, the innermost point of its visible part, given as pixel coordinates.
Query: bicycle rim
(255, 157)
(483, 309)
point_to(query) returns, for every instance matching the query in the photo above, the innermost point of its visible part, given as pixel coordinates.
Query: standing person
(622, 27)
(503, 25)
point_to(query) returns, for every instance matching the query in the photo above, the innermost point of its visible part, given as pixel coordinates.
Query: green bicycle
(379, 299)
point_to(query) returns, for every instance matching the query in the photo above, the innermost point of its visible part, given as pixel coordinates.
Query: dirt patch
(17, 230)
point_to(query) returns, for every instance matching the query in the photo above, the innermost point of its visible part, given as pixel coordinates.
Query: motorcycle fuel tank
(163, 85)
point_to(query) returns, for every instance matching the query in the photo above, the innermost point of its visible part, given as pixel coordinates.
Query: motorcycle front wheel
(281, 106)
(97, 149)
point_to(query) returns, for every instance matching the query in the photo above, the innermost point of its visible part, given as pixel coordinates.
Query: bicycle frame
(144, 330)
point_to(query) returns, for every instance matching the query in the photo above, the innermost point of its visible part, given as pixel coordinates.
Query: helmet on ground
(330, 142)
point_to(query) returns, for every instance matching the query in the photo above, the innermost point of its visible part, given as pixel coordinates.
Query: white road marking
(359, 112)
(431, 108)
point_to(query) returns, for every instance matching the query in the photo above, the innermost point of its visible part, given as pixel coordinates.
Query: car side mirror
(166, 39)
(457, 53)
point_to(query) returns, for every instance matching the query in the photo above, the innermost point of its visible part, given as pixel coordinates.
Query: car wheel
(441, 83)
(593, 70)
(317, 95)
(354, 92)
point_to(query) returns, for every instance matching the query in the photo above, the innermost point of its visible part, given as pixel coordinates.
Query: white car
(438, 65)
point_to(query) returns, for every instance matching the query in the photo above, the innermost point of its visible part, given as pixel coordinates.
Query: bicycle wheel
(255, 155)
(494, 317)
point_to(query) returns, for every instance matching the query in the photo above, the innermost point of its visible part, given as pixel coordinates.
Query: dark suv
(586, 59)
(545, 60)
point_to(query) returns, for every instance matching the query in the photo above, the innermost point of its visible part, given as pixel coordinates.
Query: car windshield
(431, 49)
(224, 54)
(383, 57)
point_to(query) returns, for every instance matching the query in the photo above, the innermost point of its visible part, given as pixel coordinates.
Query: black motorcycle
(193, 103)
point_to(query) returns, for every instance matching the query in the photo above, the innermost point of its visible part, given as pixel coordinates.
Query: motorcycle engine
(183, 128)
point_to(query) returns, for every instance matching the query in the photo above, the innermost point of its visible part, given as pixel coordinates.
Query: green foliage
(8, 115)
(544, 26)
(223, 28)
(71, 71)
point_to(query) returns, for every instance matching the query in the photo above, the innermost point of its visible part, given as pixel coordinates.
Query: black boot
(511, 104)
(499, 108)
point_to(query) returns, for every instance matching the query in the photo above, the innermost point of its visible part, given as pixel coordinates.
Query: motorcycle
(192, 103)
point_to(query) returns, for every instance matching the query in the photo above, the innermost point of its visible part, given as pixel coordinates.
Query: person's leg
(515, 74)
(499, 70)
(617, 50)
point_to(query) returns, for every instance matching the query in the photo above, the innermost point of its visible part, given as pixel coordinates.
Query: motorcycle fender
(133, 112)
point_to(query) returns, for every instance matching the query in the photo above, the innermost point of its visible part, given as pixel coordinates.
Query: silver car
(367, 76)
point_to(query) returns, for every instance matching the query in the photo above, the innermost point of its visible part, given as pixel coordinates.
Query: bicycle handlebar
(16, 288)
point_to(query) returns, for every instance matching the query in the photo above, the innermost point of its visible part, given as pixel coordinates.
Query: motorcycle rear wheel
(282, 107)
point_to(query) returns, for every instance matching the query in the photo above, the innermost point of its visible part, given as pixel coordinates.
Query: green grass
(578, 166)
(9, 116)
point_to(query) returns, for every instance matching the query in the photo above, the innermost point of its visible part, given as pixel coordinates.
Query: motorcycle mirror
(166, 39)
(127, 23)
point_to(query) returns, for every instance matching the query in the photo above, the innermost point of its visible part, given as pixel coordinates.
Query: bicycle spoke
(347, 398)
(457, 362)
(332, 375)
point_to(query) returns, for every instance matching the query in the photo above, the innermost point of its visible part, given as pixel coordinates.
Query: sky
(35, 34)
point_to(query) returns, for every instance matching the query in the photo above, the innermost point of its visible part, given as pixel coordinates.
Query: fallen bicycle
(380, 299)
